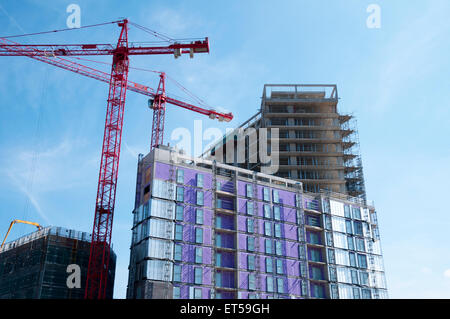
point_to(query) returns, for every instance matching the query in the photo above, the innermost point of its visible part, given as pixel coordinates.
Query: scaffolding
(354, 176)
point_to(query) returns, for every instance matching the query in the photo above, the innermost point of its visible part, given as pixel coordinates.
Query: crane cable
(159, 35)
(35, 157)
(189, 93)
(59, 30)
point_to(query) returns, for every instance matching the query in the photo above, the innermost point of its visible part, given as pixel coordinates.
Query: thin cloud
(408, 54)
(447, 273)
(13, 21)
(30, 197)
(131, 150)
(173, 23)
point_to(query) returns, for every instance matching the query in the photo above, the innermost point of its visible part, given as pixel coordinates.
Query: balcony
(310, 167)
(305, 127)
(271, 114)
(321, 140)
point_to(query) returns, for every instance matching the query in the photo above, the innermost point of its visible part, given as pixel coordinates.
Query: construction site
(317, 145)
(205, 228)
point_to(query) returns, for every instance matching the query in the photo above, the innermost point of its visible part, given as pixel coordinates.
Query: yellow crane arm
(22, 222)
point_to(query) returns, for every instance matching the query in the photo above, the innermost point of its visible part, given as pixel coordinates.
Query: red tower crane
(56, 54)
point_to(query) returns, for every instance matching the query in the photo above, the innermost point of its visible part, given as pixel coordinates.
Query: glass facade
(354, 252)
(233, 234)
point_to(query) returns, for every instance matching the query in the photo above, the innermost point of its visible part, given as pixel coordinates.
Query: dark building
(35, 266)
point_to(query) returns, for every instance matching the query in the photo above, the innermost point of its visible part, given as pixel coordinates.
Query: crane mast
(56, 55)
(98, 268)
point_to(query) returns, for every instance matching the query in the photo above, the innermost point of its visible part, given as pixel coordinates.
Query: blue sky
(395, 80)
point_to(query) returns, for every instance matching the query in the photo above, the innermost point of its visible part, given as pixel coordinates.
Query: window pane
(277, 230)
(276, 213)
(198, 255)
(360, 244)
(250, 243)
(358, 228)
(251, 282)
(329, 238)
(350, 243)
(356, 293)
(250, 208)
(267, 211)
(176, 293)
(331, 256)
(352, 259)
(178, 232)
(347, 211)
(269, 265)
(180, 176)
(266, 194)
(180, 194)
(302, 269)
(250, 227)
(198, 275)
(199, 216)
(362, 261)
(218, 259)
(197, 293)
(199, 235)
(249, 190)
(364, 277)
(178, 253)
(199, 198)
(276, 198)
(348, 227)
(269, 284)
(314, 238)
(280, 285)
(251, 262)
(315, 255)
(354, 275)
(177, 273)
(179, 213)
(279, 263)
(356, 212)
(366, 294)
(268, 244)
(301, 252)
(333, 275)
(313, 221)
(199, 180)
(278, 248)
(316, 273)
(267, 229)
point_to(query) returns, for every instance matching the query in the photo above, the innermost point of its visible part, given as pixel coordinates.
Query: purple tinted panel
(292, 267)
(286, 198)
(289, 231)
(291, 249)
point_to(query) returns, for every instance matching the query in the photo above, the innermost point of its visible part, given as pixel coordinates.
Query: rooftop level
(50, 230)
(308, 92)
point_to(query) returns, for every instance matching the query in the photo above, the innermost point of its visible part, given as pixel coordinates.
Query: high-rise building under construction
(204, 229)
(317, 144)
